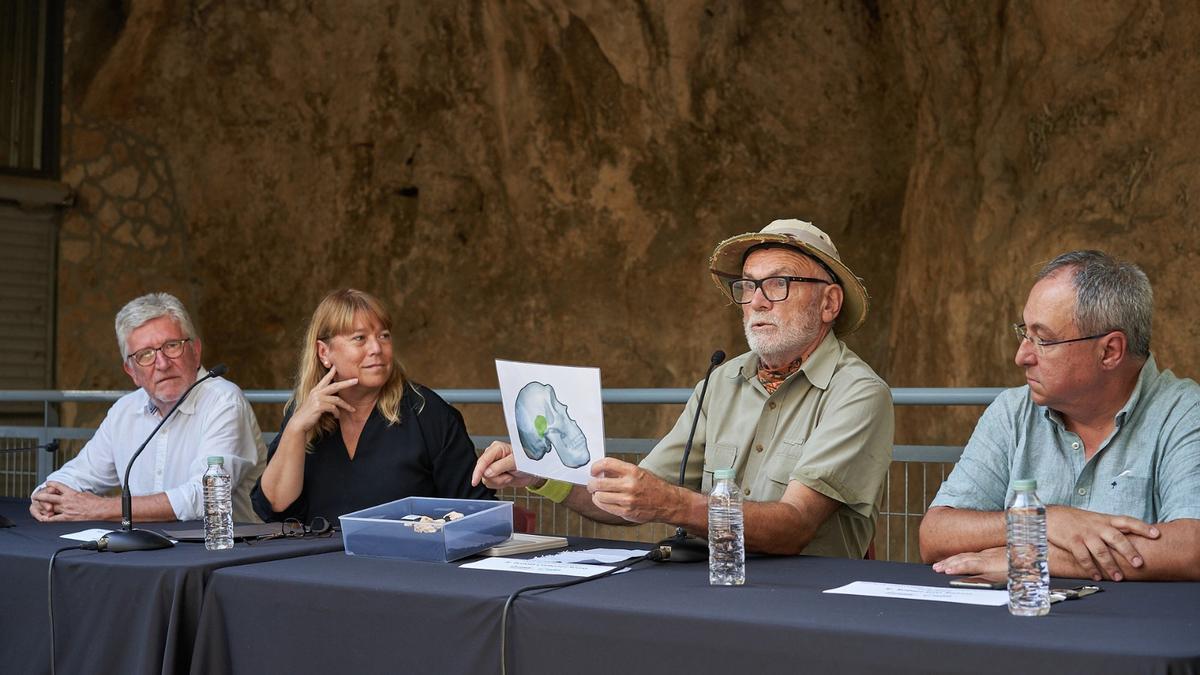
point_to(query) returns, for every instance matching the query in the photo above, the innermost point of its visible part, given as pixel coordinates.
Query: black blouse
(427, 454)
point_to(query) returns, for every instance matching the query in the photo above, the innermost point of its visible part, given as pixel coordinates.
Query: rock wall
(1041, 128)
(544, 179)
(525, 180)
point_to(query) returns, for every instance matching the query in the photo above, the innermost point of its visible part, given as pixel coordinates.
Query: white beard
(786, 339)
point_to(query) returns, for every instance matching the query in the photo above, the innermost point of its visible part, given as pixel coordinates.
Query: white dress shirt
(215, 419)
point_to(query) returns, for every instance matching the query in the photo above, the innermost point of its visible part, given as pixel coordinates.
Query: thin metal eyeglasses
(292, 528)
(172, 349)
(775, 289)
(1040, 344)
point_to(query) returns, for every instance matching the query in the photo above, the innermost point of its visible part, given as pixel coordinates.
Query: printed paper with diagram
(554, 417)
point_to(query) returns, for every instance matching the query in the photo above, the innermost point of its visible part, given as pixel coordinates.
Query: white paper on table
(965, 596)
(566, 400)
(86, 535)
(593, 555)
(535, 567)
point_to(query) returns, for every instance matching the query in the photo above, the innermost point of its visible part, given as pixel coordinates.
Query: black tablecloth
(130, 612)
(338, 613)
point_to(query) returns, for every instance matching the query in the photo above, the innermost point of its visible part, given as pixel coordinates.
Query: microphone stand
(128, 538)
(684, 547)
(51, 447)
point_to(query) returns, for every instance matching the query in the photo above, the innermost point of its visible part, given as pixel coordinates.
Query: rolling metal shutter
(27, 244)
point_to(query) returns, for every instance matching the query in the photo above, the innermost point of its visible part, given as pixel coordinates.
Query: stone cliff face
(545, 180)
(1041, 129)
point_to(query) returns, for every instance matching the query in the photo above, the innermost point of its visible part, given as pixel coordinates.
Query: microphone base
(685, 548)
(133, 540)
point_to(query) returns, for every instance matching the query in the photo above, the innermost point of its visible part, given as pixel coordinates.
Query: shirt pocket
(718, 456)
(1127, 495)
(779, 468)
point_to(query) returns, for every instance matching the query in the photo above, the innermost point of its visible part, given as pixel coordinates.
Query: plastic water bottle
(726, 538)
(218, 506)
(1028, 567)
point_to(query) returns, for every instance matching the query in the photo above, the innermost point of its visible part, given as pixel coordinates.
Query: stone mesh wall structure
(124, 237)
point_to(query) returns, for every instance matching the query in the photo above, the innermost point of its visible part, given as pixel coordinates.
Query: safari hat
(728, 257)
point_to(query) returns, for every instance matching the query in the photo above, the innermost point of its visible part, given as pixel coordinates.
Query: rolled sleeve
(227, 434)
(979, 481)
(663, 460)
(1178, 478)
(187, 500)
(846, 456)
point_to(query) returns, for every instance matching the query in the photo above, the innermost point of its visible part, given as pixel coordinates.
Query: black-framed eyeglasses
(1040, 344)
(774, 289)
(172, 349)
(293, 528)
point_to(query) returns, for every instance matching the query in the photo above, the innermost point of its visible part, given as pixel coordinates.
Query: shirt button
(1081, 491)
(1074, 446)
(747, 492)
(758, 448)
(771, 405)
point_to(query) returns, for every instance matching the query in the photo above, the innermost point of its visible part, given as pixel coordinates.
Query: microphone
(128, 538)
(683, 547)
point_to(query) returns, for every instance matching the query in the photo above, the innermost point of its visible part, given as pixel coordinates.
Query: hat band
(779, 244)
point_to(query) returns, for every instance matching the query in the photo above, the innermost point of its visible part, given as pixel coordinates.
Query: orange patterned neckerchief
(771, 379)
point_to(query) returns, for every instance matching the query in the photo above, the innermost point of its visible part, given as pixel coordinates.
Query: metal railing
(901, 396)
(895, 531)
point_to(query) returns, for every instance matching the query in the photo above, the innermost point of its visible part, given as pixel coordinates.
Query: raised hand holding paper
(554, 417)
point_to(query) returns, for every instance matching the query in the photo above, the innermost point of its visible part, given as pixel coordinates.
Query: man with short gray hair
(1113, 442)
(160, 351)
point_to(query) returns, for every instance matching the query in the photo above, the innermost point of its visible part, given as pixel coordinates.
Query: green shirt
(829, 427)
(1148, 468)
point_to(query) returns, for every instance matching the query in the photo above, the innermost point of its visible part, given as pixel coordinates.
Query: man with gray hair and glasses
(161, 353)
(1113, 442)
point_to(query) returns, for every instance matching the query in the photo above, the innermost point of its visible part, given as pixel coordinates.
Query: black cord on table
(50, 590)
(655, 554)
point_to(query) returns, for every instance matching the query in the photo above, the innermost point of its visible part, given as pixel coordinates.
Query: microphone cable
(654, 554)
(89, 546)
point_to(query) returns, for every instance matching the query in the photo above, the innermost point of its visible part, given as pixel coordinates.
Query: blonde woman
(357, 432)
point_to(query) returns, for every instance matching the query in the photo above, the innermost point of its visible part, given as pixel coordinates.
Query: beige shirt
(829, 426)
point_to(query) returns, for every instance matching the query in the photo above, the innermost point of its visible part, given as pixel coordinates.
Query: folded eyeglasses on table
(292, 528)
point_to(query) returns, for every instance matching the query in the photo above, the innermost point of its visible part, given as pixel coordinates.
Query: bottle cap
(216, 459)
(1025, 484)
(718, 474)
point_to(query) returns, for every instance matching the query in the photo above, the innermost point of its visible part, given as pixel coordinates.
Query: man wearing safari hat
(806, 425)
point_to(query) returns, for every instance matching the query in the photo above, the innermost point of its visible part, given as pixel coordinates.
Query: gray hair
(1110, 295)
(148, 308)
